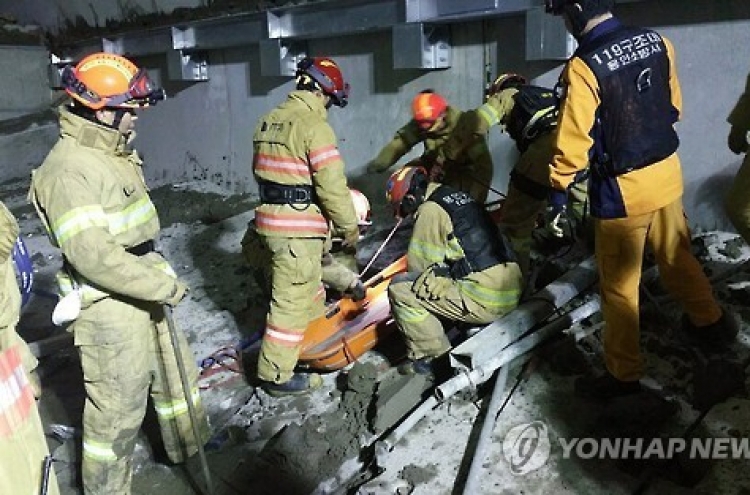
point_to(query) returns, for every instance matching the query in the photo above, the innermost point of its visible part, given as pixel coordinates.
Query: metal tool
(188, 396)
(382, 246)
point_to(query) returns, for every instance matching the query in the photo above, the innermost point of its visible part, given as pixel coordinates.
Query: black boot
(714, 337)
(298, 384)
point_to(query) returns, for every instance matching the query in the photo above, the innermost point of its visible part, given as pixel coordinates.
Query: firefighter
(23, 447)
(619, 115)
(529, 114)
(458, 267)
(337, 267)
(737, 202)
(432, 123)
(92, 198)
(303, 191)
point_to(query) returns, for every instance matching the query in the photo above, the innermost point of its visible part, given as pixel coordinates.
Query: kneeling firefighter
(458, 267)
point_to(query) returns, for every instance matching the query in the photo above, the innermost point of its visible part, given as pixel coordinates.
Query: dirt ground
(326, 442)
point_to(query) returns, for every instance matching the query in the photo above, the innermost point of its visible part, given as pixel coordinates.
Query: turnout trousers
(127, 355)
(297, 296)
(418, 319)
(620, 245)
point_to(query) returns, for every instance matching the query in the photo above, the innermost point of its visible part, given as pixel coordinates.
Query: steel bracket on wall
(546, 37)
(279, 57)
(187, 65)
(421, 46)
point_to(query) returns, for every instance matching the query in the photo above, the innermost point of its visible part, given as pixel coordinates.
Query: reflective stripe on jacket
(93, 200)
(294, 145)
(16, 394)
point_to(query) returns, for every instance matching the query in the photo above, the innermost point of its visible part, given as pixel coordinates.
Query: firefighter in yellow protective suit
(458, 267)
(620, 113)
(23, 448)
(529, 114)
(303, 191)
(433, 122)
(92, 198)
(337, 268)
(737, 202)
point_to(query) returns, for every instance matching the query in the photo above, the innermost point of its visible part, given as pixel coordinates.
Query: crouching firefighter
(93, 201)
(458, 267)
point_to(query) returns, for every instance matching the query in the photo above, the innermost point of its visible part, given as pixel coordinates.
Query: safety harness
(482, 243)
(284, 194)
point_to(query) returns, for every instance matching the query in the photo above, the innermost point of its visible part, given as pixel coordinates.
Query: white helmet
(362, 208)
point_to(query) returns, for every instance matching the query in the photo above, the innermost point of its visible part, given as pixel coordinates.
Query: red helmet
(107, 80)
(405, 188)
(427, 107)
(504, 81)
(327, 76)
(362, 208)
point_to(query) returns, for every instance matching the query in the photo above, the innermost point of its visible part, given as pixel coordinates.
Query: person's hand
(556, 216)
(349, 244)
(178, 293)
(433, 283)
(376, 167)
(737, 140)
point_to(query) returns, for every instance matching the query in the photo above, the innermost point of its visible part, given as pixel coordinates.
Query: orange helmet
(362, 208)
(327, 76)
(427, 107)
(107, 80)
(405, 188)
(504, 81)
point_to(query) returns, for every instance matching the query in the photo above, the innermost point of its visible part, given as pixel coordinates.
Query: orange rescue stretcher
(348, 329)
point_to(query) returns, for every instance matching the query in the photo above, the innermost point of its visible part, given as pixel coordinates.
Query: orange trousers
(620, 245)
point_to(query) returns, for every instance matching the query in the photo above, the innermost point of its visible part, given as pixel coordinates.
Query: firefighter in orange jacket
(303, 190)
(433, 122)
(621, 99)
(23, 447)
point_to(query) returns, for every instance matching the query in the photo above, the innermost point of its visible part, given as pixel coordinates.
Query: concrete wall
(203, 131)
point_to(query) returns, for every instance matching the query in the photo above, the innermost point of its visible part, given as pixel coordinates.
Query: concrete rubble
(325, 443)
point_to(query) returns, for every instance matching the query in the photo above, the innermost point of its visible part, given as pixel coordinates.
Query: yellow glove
(8, 233)
(737, 140)
(433, 283)
(178, 293)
